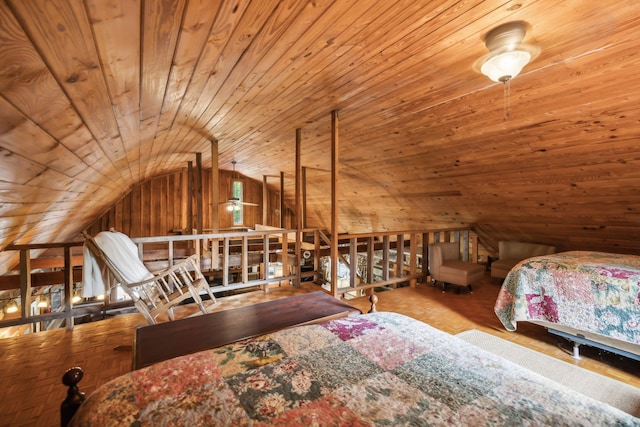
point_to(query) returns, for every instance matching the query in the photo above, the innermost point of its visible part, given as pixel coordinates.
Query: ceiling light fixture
(41, 302)
(12, 307)
(507, 55)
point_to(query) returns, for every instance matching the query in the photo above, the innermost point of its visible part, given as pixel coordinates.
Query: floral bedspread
(591, 291)
(379, 369)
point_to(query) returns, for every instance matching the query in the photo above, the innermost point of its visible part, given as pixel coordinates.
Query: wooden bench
(154, 343)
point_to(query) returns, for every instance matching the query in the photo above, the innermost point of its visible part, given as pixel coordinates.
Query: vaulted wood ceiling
(98, 95)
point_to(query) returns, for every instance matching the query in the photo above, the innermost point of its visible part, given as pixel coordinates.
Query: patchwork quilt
(590, 291)
(379, 369)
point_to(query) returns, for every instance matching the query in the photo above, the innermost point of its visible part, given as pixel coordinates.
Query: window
(238, 211)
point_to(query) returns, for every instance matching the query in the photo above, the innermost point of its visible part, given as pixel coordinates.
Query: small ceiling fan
(234, 203)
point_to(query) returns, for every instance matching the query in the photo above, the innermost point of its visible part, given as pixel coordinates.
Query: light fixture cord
(506, 95)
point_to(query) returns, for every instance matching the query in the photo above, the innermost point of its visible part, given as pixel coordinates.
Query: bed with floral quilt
(378, 369)
(588, 297)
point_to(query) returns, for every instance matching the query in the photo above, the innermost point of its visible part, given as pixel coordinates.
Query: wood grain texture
(99, 98)
(159, 206)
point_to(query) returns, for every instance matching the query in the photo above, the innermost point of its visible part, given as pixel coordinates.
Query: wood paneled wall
(160, 206)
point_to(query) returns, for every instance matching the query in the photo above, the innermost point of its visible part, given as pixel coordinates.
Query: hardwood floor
(32, 366)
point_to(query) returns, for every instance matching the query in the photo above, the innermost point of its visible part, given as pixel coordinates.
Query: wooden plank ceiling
(99, 95)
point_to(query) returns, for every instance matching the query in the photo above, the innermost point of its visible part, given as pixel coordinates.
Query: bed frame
(578, 337)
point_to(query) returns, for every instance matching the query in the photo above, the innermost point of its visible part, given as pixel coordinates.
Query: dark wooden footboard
(213, 330)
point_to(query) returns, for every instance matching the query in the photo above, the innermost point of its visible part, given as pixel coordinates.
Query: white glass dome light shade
(506, 65)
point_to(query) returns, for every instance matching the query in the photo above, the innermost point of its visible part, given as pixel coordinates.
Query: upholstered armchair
(446, 266)
(511, 253)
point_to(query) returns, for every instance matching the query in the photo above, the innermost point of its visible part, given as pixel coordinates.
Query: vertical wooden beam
(465, 245)
(335, 140)
(265, 259)
(215, 187)
(298, 195)
(413, 260)
(184, 199)
(245, 259)
(281, 199)
(265, 200)
(474, 248)
(425, 255)
(68, 287)
(353, 261)
(285, 257)
(215, 206)
(370, 260)
(190, 197)
(225, 262)
(304, 197)
(316, 253)
(399, 255)
(385, 257)
(25, 283)
(199, 208)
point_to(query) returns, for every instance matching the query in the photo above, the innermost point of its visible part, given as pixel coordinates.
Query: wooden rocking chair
(153, 293)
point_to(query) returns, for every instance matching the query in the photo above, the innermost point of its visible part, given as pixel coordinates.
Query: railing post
(413, 260)
(316, 253)
(385, 258)
(474, 248)
(399, 255)
(265, 241)
(353, 262)
(245, 259)
(68, 288)
(425, 256)
(285, 257)
(25, 283)
(225, 262)
(465, 245)
(370, 260)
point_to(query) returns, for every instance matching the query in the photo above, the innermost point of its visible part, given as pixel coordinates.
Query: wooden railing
(390, 259)
(239, 260)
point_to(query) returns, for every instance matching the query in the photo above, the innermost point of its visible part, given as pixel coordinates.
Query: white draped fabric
(123, 254)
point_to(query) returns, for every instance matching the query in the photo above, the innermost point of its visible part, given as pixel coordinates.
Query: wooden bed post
(75, 397)
(373, 299)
